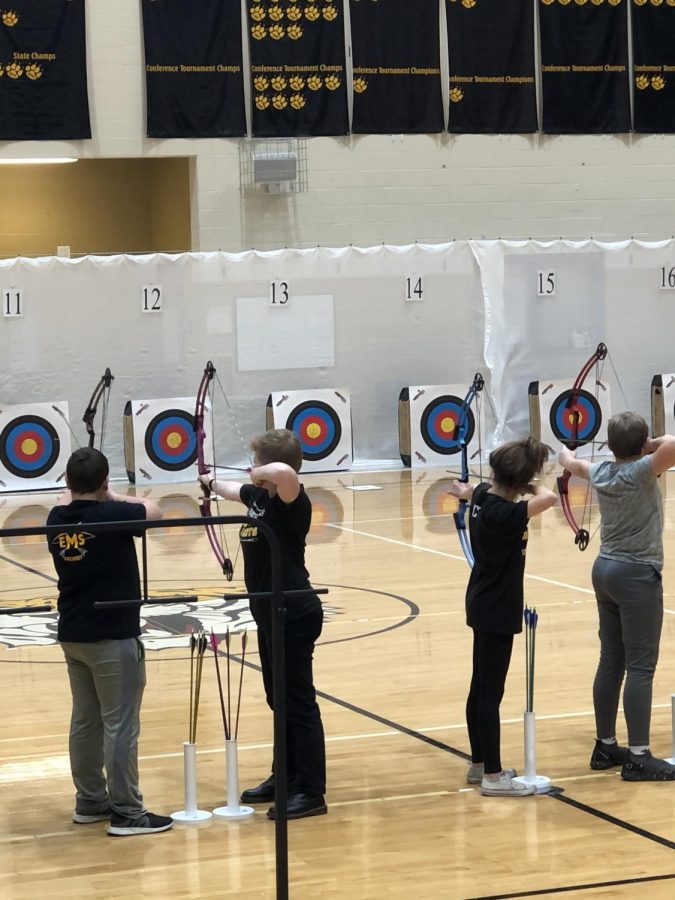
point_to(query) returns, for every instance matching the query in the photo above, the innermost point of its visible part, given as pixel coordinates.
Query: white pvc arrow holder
(541, 783)
(190, 814)
(233, 810)
(672, 704)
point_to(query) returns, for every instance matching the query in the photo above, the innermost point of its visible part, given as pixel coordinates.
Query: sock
(607, 740)
(639, 750)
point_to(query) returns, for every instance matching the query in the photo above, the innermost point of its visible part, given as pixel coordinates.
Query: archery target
(435, 422)
(164, 442)
(327, 509)
(557, 417)
(322, 421)
(34, 446)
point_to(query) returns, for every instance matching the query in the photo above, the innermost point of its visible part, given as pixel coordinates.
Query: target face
(170, 440)
(318, 428)
(440, 425)
(29, 446)
(326, 510)
(585, 410)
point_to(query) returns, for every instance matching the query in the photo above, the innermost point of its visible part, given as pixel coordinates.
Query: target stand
(554, 420)
(428, 426)
(160, 445)
(34, 446)
(322, 421)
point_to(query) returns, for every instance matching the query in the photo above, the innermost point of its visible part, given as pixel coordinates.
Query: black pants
(305, 744)
(491, 659)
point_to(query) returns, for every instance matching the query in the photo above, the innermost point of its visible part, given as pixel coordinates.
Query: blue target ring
(170, 440)
(318, 428)
(442, 425)
(29, 446)
(585, 410)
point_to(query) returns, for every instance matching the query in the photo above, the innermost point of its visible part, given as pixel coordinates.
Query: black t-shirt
(498, 530)
(290, 523)
(92, 567)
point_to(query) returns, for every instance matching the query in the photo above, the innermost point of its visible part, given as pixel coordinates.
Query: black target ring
(318, 428)
(170, 440)
(586, 411)
(440, 425)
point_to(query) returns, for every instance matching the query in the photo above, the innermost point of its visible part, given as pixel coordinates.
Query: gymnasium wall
(369, 189)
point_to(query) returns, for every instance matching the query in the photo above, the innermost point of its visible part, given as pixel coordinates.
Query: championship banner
(555, 421)
(584, 63)
(322, 420)
(34, 446)
(43, 71)
(491, 57)
(193, 68)
(298, 68)
(396, 54)
(654, 66)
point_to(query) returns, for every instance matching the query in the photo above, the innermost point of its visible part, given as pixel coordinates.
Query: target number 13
(12, 303)
(279, 295)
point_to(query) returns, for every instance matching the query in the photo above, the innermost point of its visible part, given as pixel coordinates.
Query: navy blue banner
(491, 58)
(397, 74)
(298, 77)
(43, 71)
(193, 68)
(654, 67)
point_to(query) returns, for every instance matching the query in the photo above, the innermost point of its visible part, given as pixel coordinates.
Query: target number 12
(12, 303)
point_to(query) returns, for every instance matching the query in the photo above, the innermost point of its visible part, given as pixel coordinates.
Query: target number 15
(545, 283)
(12, 303)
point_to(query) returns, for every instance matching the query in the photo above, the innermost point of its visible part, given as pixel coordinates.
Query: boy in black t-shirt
(277, 497)
(105, 658)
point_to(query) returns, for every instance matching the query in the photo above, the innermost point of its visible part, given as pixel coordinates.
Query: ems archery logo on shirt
(72, 546)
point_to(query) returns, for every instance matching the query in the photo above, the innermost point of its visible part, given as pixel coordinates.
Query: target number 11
(12, 303)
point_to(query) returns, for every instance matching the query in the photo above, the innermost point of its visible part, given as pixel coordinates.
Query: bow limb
(581, 535)
(102, 389)
(222, 557)
(463, 434)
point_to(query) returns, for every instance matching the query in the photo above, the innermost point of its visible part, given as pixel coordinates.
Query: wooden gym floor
(392, 667)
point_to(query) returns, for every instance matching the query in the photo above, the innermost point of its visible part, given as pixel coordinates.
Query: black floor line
(642, 832)
(14, 562)
(598, 885)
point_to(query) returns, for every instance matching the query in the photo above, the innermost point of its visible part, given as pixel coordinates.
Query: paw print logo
(2, 71)
(597, 2)
(580, 2)
(276, 13)
(277, 32)
(312, 13)
(260, 83)
(294, 13)
(314, 83)
(656, 2)
(297, 101)
(456, 94)
(332, 82)
(547, 2)
(670, 2)
(10, 18)
(14, 70)
(258, 32)
(564, 2)
(257, 13)
(658, 82)
(468, 4)
(642, 82)
(33, 72)
(640, 2)
(279, 101)
(330, 13)
(297, 83)
(360, 85)
(261, 101)
(295, 32)
(614, 2)
(278, 82)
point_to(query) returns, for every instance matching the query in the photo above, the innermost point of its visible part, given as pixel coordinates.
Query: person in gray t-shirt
(629, 591)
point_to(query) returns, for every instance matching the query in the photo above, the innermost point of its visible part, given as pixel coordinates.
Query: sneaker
(605, 756)
(646, 768)
(505, 786)
(148, 823)
(84, 819)
(476, 772)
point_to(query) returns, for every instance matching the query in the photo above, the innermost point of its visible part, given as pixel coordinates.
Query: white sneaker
(505, 786)
(475, 773)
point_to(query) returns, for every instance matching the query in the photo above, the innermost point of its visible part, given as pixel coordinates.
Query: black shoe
(644, 767)
(605, 756)
(148, 823)
(300, 806)
(263, 793)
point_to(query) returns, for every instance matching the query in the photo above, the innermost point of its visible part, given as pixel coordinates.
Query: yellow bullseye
(174, 440)
(29, 447)
(448, 425)
(313, 430)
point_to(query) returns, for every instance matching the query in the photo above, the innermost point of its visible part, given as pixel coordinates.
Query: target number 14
(12, 303)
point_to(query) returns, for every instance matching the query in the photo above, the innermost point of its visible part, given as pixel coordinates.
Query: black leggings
(491, 658)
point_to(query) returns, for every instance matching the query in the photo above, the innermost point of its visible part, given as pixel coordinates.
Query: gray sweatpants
(630, 608)
(107, 679)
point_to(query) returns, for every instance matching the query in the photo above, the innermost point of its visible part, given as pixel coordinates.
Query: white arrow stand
(233, 810)
(672, 703)
(190, 814)
(541, 783)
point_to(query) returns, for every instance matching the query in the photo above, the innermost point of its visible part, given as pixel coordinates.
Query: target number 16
(12, 303)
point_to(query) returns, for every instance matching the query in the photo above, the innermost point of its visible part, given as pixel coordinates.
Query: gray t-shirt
(631, 511)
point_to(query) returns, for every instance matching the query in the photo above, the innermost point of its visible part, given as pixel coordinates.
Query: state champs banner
(492, 70)
(298, 68)
(397, 75)
(43, 71)
(193, 68)
(584, 63)
(654, 67)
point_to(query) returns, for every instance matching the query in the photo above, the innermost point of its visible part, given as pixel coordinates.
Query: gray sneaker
(475, 774)
(148, 823)
(505, 786)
